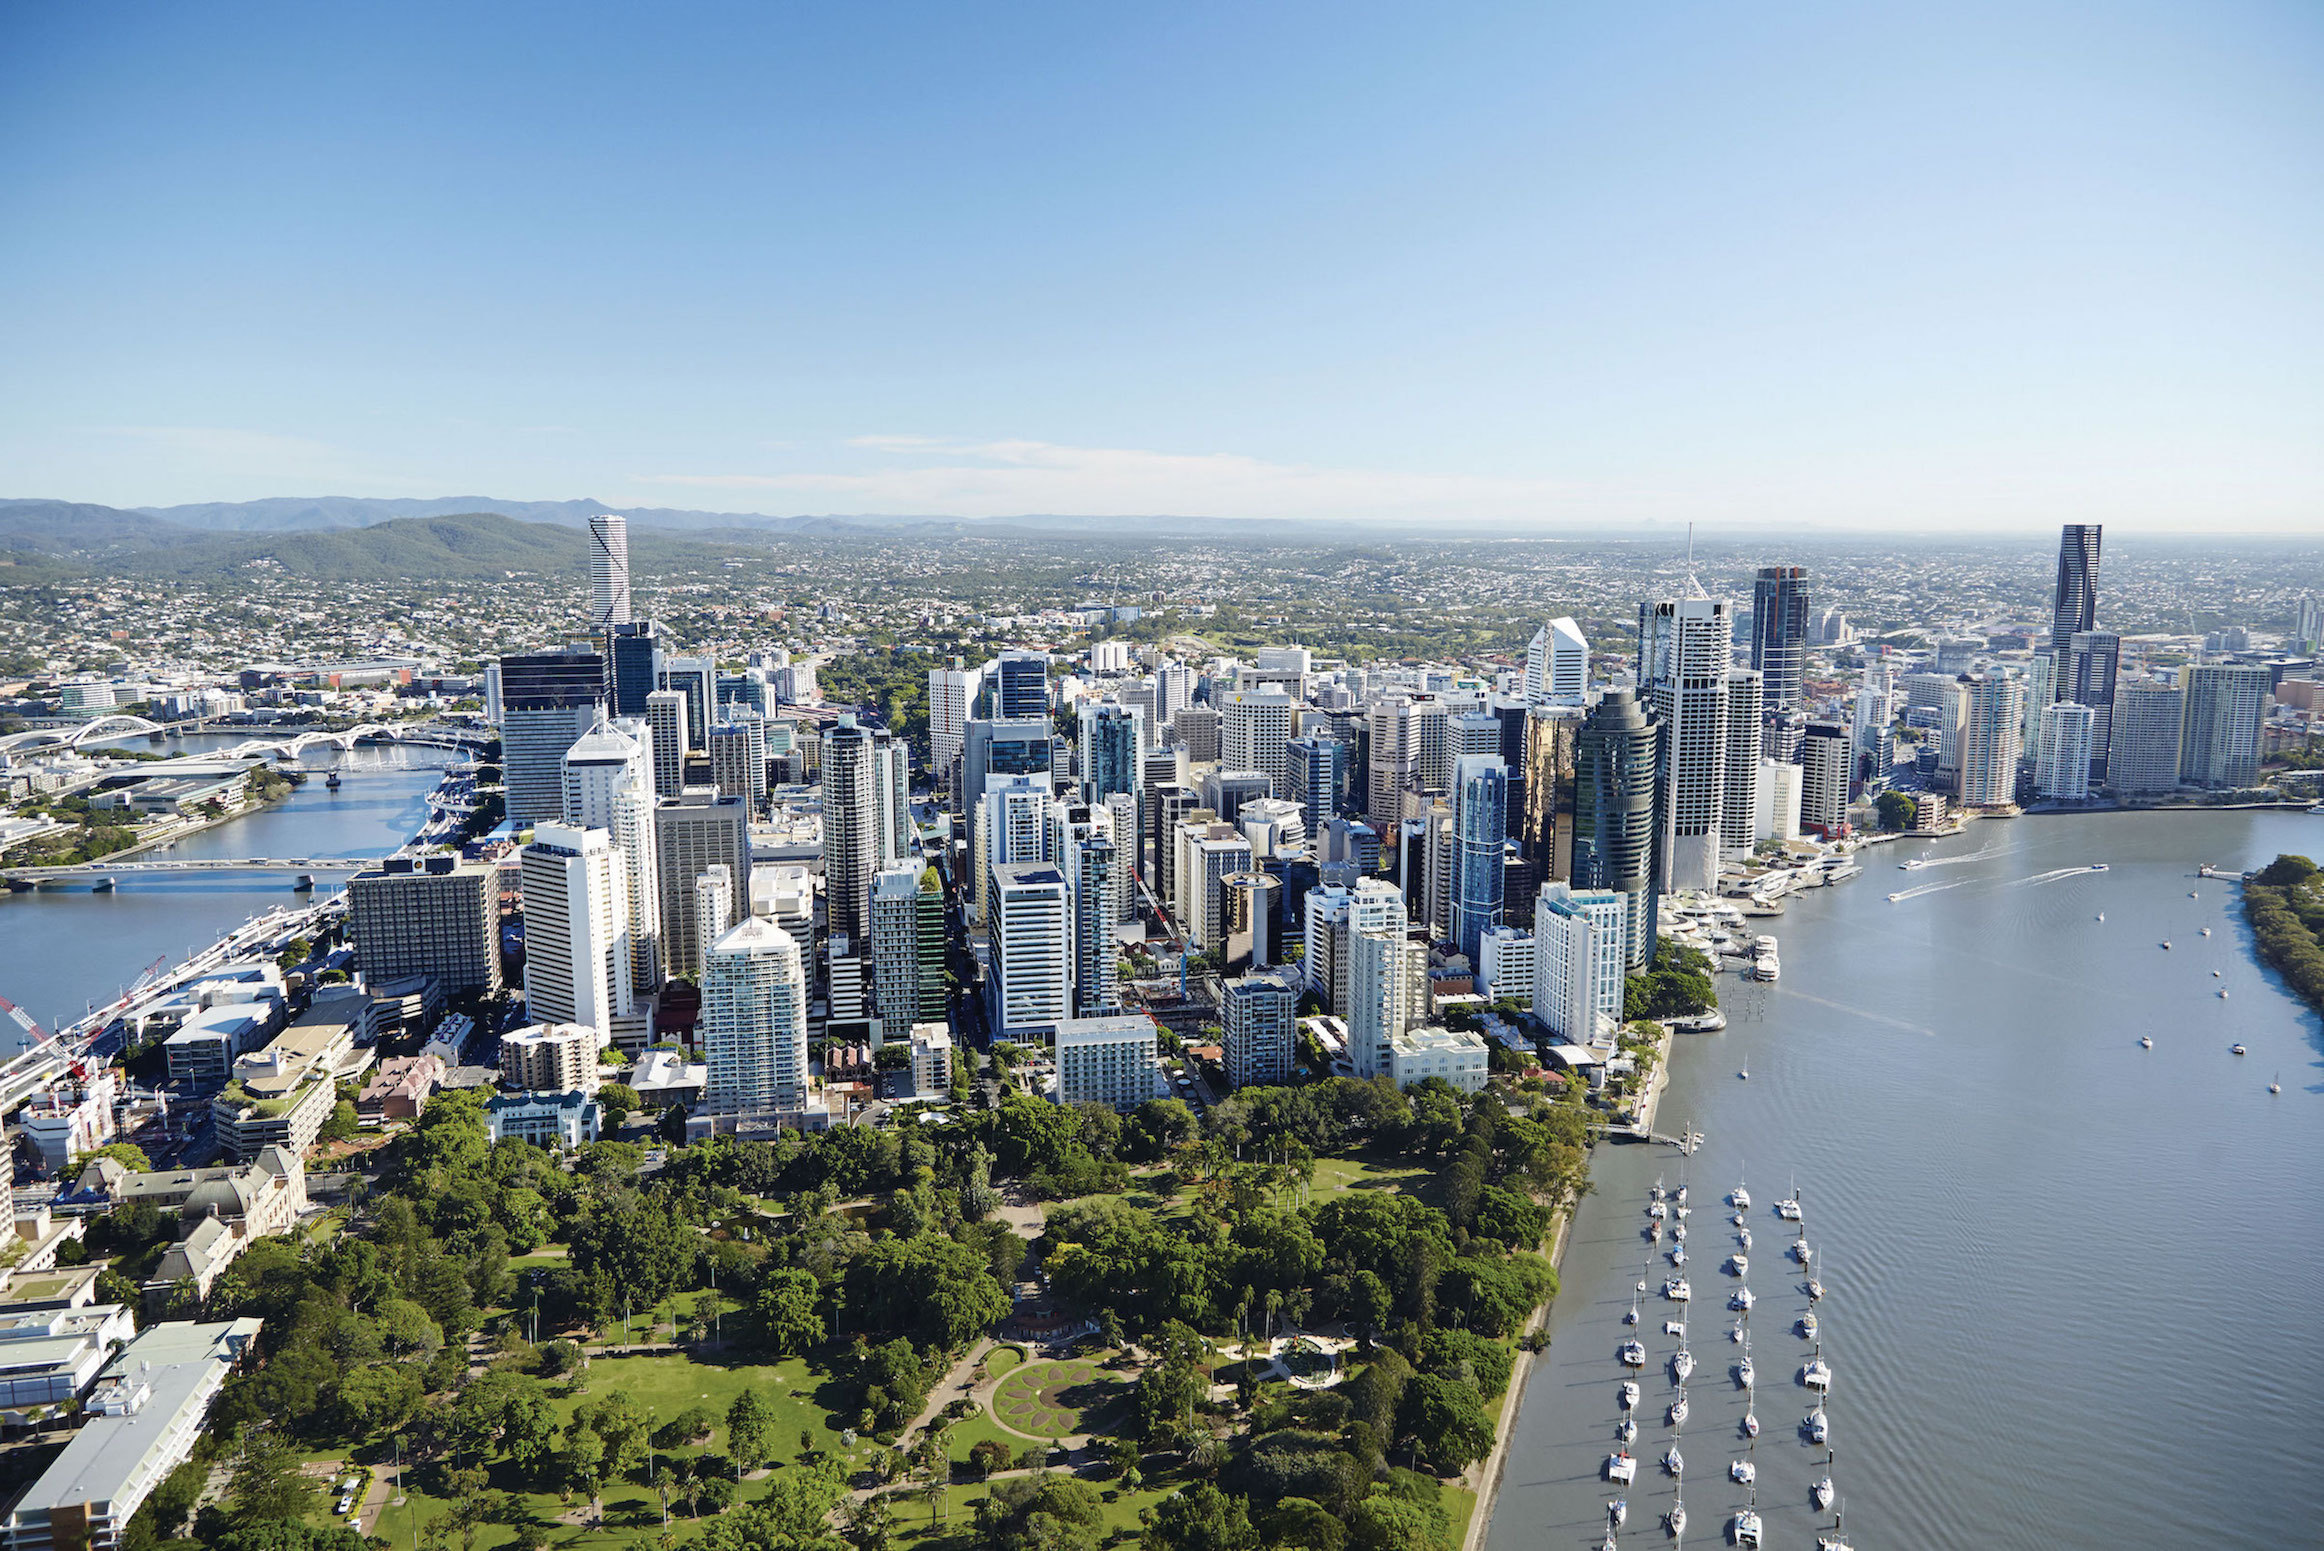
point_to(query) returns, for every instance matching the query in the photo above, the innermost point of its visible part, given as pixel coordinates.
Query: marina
(1929, 1082)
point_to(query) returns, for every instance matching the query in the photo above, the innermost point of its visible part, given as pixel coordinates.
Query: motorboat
(1893, 898)
(1633, 1354)
(1654, 1233)
(1742, 1300)
(2237, 1050)
(1617, 1511)
(1675, 1327)
(2098, 867)
(1800, 1251)
(1737, 1219)
(1658, 1192)
(1739, 1197)
(2101, 915)
(1682, 1363)
(1745, 1074)
(1629, 1394)
(2223, 993)
(2215, 974)
(1673, 1461)
(2166, 947)
(1678, 1410)
(1788, 1210)
(1657, 1211)
(1743, 1472)
(1678, 1254)
(2146, 1042)
(1819, 1426)
(1677, 1290)
(1739, 1265)
(1736, 1335)
(1679, 1232)
(1744, 1238)
(2276, 1083)
(2207, 932)
(1807, 1325)
(1817, 1374)
(1621, 1467)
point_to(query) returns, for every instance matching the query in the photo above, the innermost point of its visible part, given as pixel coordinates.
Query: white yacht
(1680, 1195)
(1821, 1494)
(1676, 1520)
(2207, 932)
(1621, 1467)
(1675, 1327)
(1737, 1219)
(1739, 1197)
(1744, 1373)
(1815, 1290)
(1817, 1374)
(1657, 1210)
(2146, 1042)
(1633, 1354)
(1807, 1325)
(1742, 1299)
(1626, 1430)
(1678, 1410)
(1629, 1394)
(1739, 1265)
(1788, 1209)
(1800, 1251)
(1617, 1511)
(1743, 1237)
(1682, 1363)
(1658, 1192)
(1743, 1529)
(1819, 1426)
(1677, 1290)
(1678, 1254)
(1736, 1334)
(1750, 1423)
(1674, 1462)
(1743, 1472)
(1679, 1232)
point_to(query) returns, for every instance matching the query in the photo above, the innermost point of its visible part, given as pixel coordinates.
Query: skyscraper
(2219, 726)
(1780, 625)
(1255, 732)
(1029, 971)
(1748, 724)
(1407, 748)
(851, 847)
(1019, 820)
(1545, 825)
(1683, 651)
(665, 715)
(1111, 750)
(1617, 757)
(907, 946)
(951, 699)
(2063, 771)
(1021, 686)
(2093, 657)
(1580, 938)
(754, 1020)
(1480, 833)
(1259, 1012)
(576, 929)
(1991, 709)
(637, 665)
(692, 831)
(435, 916)
(1826, 760)
(608, 571)
(1318, 771)
(1094, 964)
(697, 679)
(609, 785)
(1018, 746)
(2142, 758)
(1387, 991)
(1557, 664)
(2076, 605)
(738, 757)
(713, 901)
(548, 701)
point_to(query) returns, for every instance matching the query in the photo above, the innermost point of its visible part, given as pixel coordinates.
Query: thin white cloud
(999, 478)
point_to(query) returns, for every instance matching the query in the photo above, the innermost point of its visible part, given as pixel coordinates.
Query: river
(2071, 1283)
(63, 951)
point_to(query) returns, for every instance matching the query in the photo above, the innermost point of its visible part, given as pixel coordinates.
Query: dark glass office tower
(2077, 602)
(1545, 798)
(1616, 797)
(1779, 634)
(637, 663)
(1021, 684)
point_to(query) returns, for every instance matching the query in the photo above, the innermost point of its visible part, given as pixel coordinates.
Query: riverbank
(1513, 1398)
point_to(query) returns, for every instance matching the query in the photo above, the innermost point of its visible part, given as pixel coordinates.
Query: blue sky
(1888, 267)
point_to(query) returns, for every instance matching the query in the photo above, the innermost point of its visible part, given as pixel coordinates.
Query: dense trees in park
(2284, 903)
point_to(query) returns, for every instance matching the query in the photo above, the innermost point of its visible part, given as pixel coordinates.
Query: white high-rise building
(2223, 707)
(951, 697)
(1255, 732)
(1387, 994)
(692, 831)
(2062, 773)
(666, 717)
(1685, 645)
(1029, 970)
(1334, 915)
(1505, 964)
(1557, 665)
(1739, 798)
(1207, 854)
(1111, 1060)
(609, 785)
(1578, 949)
(1779, 802)
(754, 1020)
(1991, 710)
(1259, 1014)
(1018, 820)
(609, 602)
(713, 901)
(891, 798)
(853, 823)
(1095, 900)
(738, 756)
(577, 957)
(2143, 757)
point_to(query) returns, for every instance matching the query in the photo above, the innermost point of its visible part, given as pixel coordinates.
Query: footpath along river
(63, 950)
(2071, 1283)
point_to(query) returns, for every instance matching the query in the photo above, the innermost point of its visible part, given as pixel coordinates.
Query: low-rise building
(399, 1089)
(667, 1077)
(546, 1119)
(211, 1039)
(280, 1096)
(144, 1415)
(1457, 1056)
(221, 1211)
(48, 1356)
(73, 1118)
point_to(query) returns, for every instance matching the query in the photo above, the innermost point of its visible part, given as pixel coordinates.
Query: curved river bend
(2072, 1283)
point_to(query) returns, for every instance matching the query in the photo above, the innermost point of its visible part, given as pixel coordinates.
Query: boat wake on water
(1926, 888)
(2054, 875)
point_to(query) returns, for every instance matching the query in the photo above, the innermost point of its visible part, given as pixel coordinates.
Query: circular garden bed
(1054, 1399)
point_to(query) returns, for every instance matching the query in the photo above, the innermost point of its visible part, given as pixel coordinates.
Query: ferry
(1767, 968)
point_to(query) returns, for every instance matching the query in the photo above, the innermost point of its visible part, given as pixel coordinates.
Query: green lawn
(1333, 1175)
(1001, 1359)
(1055, 1399)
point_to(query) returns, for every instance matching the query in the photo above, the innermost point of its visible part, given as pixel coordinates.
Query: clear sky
(1881, 266)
